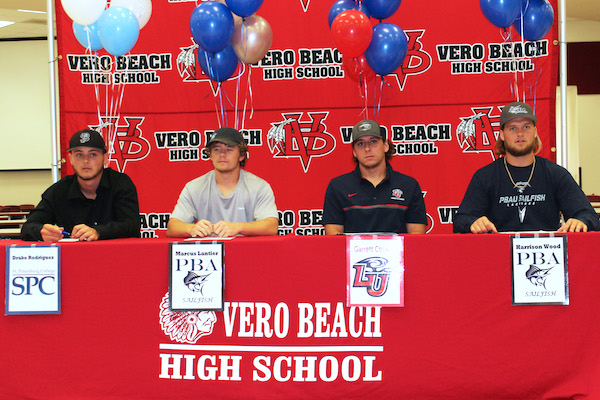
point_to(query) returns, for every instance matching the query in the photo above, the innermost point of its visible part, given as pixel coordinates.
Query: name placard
(375, 271)
(539, 270)
(32, 280)
(196, 278)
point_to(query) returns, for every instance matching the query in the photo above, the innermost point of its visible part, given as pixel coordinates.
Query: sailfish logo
(522, 213)
(537, 276)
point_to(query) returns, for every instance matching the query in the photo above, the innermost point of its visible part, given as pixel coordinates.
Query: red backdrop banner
(297, 105)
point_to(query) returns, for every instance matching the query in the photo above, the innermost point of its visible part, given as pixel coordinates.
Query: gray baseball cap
(516, 110)
(229, 136)
(367, 127)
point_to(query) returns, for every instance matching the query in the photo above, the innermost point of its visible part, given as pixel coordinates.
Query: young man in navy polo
(373, 198)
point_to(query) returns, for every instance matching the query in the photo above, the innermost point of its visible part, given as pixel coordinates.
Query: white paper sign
(375, 271)
(539, 270)
(196, 276)
(32, 280)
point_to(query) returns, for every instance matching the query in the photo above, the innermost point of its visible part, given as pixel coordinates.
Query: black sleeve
(573, 203)
(42, 214)
(416, 213)
(126, 221)
(332, 209)
(474, 205)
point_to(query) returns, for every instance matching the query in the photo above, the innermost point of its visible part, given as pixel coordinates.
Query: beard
(516, 152)
(89, 178)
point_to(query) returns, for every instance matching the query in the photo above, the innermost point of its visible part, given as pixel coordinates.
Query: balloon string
(375, 95)
(243, 38)
(248, 95)
(220, 114)
(223, 112)
(219, 122)
(237, 95)
(91, 56)
(364, 93)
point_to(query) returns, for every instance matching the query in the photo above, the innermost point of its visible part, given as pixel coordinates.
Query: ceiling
(29, 25)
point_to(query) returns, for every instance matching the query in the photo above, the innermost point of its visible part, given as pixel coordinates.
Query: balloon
(352, 32)
(118, 30)
(244, 8)
(382, 9)
(501, 13)
(87, 35)
(358, 69)
(388, 48)
(84, 12)
(343, 5)
(236, 17)
(536, 21)
(142, 9)
(252, 39)
(211, 24)
(219, 66)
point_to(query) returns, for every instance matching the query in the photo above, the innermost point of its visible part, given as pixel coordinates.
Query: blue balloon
(382, 9)
(244, 8)
(87, 35)
(501, 13)
(388, 48)
(118, 30)
(212, 26)
(343, 5)
(536, 21)
(218, 66)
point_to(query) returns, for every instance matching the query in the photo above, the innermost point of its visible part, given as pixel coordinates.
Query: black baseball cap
(367, 127)
(229, 136)
(517, 110)
(87, 138)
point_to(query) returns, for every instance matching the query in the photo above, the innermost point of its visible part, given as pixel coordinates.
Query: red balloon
(358, 69)
(352, 32)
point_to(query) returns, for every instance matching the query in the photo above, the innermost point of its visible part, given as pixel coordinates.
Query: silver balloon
(252, 38)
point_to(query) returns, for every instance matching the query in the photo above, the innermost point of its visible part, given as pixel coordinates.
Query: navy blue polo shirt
(359, 206)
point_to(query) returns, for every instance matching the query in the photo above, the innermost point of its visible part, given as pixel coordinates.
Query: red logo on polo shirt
(397, 194)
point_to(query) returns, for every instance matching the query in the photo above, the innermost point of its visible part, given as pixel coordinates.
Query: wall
(25, 127)
(588, 107)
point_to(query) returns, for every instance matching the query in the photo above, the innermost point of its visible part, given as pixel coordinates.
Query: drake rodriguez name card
(32, 280)
(539, 270)
(196, 276)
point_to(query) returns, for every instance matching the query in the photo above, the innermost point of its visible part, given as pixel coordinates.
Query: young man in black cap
(227, 201)
(373, 198)
(522, 192)
(94, 203)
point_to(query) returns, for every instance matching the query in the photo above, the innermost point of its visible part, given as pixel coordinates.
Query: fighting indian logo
(372, 274)
(190, 70)
(125, 142)
(478, 133)
(185, 326)
(302, 139)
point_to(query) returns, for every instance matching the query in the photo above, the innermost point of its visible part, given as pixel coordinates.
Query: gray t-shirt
(251, 200)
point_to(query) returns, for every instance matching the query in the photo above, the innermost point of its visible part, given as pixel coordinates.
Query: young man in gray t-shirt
(226, 201)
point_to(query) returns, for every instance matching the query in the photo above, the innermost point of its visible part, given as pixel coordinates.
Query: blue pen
(65, 233)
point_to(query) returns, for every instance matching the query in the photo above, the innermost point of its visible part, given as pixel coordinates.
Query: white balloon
(84, 12)
(142, 9)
